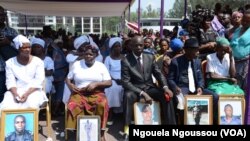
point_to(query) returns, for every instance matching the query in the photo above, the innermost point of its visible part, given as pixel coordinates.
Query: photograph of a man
(197, 113)
(230, 118)
(20, 133)
(147, 114)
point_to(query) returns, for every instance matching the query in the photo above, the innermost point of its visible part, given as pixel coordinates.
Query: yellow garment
(126, 129)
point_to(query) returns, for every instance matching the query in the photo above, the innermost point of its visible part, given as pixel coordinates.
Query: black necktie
(140, 64)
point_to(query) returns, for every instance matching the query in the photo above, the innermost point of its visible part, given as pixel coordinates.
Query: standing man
(20, 133)
(7, 34)
(88, 127)
(185, 74)
(196, 113)
(137, 69)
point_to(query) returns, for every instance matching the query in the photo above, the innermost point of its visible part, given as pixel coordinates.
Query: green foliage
(109, 24)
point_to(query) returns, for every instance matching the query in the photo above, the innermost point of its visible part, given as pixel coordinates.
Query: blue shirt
(235, 121)
(240, 44)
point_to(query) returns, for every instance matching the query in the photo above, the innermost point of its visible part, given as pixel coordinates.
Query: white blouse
(83, 75)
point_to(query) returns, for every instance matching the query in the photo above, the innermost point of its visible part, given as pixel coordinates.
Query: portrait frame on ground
(86, 123)
(198, 110)
(149, 112)
(22, 120)
(234, 106)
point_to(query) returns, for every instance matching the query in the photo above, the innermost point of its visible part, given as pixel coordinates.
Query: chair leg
(65, 122)
(48, 117)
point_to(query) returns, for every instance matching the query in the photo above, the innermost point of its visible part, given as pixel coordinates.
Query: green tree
(110, 24)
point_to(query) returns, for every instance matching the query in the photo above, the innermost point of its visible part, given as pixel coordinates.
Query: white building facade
(34, 24)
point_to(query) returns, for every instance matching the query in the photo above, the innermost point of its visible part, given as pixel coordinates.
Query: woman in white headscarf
(39, 51)
(24, 78)
(79, 44)
(114, 93)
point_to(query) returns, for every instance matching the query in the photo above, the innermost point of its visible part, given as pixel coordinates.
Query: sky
(168, 4)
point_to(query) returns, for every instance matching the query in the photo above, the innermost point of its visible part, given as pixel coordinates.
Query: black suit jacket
(176, 67)
(132, 77)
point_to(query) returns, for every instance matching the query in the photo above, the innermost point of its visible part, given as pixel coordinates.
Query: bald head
(137, 45)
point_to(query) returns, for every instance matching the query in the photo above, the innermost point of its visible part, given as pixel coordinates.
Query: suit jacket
(135, 80)
(175, 70)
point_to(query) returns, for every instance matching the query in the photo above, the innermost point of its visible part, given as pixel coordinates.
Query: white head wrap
(113, 40)
(80, 40)
(38, 41)
(19, 40)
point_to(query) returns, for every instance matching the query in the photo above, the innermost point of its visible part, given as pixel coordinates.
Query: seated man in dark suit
(137, 69)
(185, 75)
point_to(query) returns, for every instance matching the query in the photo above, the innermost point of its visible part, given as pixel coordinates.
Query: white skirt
(34, 100)
(114, 95)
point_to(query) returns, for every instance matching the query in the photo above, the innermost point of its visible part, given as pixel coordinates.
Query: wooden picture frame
(234, 104)
(88, 128)
(146, 114)
(198, 110)
(19, 119)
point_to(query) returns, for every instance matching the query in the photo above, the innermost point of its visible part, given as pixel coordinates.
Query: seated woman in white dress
(114, 93)
(39, 51)
(24, 78)
(87, 80)
(75, 55)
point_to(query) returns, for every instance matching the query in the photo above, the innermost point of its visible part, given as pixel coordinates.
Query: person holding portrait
(87, 80)
(221, 70)
(137, 69)
(24, 78)
(185, 74)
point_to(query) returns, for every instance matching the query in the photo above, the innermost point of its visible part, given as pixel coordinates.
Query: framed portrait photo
(146, 114)
(88, 128)
(231, 110)
(23, 121)
(198, 110)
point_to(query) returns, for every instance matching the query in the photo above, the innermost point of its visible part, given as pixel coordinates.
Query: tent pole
(129, 12)
(247, 109)
(139, 15)
(185, 9)
(26, 25)
(162, 17)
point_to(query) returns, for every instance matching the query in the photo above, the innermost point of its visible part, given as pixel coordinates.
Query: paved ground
(114, 132)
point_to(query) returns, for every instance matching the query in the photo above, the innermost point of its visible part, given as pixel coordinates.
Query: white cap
(38, 41)
(113, 40)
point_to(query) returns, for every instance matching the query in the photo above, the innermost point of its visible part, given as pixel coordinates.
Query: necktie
(191, 78)
(140, 64)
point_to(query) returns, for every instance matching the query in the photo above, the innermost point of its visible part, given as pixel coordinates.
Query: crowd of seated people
(107, 75)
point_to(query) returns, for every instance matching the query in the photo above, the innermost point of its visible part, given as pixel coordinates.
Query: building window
(86, 20)
(86, 30)
(96, 20)
(96, 30)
